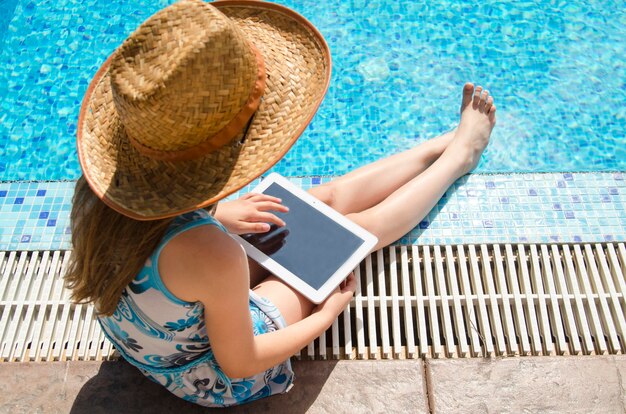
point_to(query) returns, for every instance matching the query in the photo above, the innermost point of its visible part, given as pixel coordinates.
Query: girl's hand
(250, 213)
(339, 299)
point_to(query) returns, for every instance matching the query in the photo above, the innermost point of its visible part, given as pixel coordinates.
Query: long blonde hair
(109, 249)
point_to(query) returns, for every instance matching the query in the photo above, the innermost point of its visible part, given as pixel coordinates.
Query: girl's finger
(255, 228)
(272, 206)
(350, 283)
(267, 218)
(256, 197)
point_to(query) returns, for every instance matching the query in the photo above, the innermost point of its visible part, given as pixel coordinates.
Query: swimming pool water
(556, 69)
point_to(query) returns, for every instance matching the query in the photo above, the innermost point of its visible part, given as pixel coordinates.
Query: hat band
(224, 135)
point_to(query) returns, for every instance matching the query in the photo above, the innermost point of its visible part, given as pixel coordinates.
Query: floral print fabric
(166, 338)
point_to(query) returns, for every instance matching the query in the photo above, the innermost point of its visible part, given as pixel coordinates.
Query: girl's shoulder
(197, 251)
(190, 220)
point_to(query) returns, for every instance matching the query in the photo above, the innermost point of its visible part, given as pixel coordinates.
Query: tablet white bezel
(314, 295)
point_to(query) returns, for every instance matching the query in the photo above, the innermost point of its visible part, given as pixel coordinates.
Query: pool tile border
(479, 208)
(35, 215)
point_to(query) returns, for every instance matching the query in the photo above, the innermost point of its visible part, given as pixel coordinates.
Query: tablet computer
(316, 249)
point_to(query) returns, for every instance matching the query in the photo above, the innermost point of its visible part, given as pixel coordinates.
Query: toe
(468, 90)
(488, 103)
(483, 100)
(492, 114)
(477, 93)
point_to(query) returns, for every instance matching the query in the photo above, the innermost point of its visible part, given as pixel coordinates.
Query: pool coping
(551, 207)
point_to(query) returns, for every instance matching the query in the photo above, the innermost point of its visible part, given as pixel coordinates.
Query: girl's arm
(207, 265)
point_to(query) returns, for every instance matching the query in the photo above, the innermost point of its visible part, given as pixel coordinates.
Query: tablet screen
(310, 245)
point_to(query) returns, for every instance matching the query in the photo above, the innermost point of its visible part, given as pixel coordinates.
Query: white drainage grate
(487, 300)
(411, 302)
(38, 322)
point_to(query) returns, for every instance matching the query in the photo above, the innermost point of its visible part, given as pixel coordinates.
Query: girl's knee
(370, 221)
(325, 193)
(292, 305)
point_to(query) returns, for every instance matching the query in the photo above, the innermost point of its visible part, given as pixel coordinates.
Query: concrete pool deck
(573, 384)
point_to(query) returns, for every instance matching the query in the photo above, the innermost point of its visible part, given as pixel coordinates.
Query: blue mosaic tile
(30, 227)
(518, 208)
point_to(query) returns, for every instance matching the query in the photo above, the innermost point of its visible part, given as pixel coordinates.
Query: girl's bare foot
(478, 117)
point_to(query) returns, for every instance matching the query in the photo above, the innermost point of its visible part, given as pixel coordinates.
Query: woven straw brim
(298, 69)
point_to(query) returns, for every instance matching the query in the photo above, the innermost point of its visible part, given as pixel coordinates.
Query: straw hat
(200, 100)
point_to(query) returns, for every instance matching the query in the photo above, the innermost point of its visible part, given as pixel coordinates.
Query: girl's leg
(369, 185)
(397, 214)
(407, 206)
(292, 305)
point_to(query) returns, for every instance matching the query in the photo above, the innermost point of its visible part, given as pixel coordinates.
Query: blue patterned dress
(166, 338)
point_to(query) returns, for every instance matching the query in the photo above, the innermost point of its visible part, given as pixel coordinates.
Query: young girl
(199, 101)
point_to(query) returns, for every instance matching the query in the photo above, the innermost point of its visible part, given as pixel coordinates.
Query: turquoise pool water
(556, 69)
